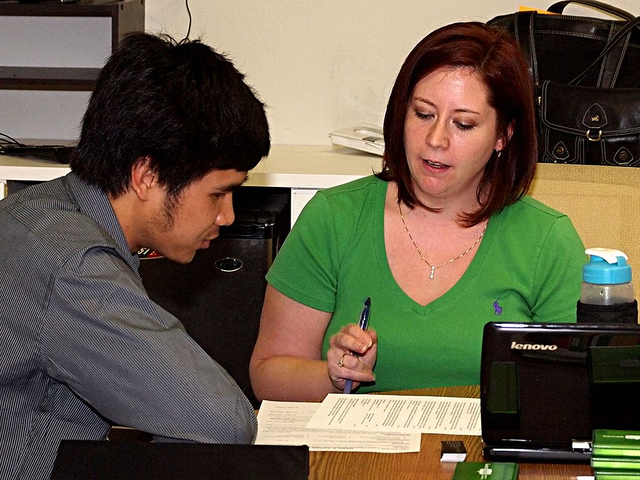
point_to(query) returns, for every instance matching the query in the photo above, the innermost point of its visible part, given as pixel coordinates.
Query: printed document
(399, 413)
(284, 423)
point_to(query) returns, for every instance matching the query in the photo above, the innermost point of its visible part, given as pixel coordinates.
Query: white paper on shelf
(364, 137)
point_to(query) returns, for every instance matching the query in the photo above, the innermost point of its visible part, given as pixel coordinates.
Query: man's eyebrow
(232, 186)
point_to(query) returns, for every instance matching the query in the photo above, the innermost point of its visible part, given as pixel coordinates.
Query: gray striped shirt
(82, 346)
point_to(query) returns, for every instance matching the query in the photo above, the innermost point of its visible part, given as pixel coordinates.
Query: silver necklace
(433, 267)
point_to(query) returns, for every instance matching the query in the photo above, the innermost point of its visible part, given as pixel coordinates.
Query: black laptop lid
(545, 387)
(89, 460)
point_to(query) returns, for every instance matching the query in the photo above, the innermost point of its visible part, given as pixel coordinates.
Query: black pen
(363, 323)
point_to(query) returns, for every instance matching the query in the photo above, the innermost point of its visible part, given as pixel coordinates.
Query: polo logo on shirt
(497, 309)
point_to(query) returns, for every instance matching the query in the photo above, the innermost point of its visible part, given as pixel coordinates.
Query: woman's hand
(352, 355)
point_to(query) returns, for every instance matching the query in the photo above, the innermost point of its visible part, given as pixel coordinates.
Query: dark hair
(182, 105)
(499, 64)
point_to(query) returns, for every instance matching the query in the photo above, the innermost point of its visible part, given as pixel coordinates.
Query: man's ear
(143, 177)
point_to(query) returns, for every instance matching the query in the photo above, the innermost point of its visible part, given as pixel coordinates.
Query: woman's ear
(502, 142)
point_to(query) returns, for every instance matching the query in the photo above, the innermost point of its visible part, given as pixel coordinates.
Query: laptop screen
(545, 387)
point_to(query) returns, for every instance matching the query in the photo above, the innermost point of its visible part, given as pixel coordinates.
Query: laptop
(86, 460)
(544, 388)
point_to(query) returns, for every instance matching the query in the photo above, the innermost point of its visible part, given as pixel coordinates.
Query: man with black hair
(171, 130)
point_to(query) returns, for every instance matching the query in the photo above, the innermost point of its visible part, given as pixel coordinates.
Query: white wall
(318, 65)
(326, 64)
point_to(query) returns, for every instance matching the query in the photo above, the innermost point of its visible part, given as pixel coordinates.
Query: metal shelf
(126, 16)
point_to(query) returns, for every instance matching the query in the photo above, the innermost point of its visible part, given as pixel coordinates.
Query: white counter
(303, 169)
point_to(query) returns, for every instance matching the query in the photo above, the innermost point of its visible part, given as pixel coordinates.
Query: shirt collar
(95, 203)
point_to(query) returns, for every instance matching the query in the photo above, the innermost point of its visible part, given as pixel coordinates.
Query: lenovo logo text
(532, 346)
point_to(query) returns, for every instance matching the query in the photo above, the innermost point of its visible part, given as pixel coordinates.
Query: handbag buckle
(593, 139)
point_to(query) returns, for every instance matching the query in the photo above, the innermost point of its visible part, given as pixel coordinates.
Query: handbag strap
(624, 31)
(523, 31)
(558, 7)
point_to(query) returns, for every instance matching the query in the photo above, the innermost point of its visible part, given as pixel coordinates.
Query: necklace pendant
(433, 272)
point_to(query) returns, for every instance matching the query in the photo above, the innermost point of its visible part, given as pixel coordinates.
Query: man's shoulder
(48, 214)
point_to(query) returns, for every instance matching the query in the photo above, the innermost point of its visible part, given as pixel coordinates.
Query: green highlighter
(616, 463)
(485, 471)
(616, 475)
(616, 443)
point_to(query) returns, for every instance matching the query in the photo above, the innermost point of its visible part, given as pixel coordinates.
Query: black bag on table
(586, 76)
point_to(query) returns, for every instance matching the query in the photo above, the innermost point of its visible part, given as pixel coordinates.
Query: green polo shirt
(526, 269)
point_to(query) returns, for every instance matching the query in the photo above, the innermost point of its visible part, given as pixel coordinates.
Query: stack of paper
(366, 423)
(616, 454)
(285, 423)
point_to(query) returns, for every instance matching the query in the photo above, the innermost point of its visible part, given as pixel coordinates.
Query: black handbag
(589, 125)
(586, 75)
(560, 48)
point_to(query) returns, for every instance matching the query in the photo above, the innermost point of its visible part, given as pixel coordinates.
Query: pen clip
(364, 316)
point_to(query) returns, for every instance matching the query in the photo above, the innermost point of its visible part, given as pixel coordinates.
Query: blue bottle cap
(606, 267)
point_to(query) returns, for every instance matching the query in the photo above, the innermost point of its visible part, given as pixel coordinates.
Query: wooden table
(425, 464)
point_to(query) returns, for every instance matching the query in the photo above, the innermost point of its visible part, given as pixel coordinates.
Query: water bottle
(607, 292)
